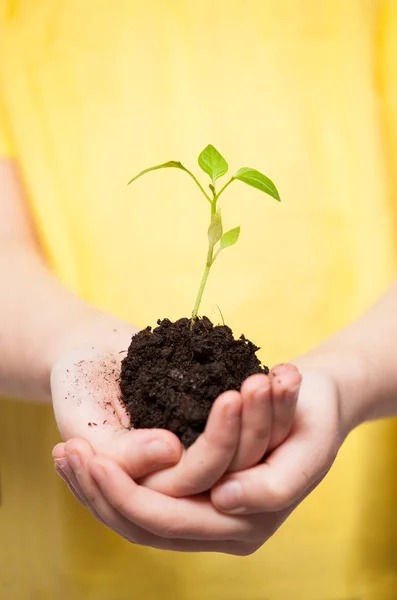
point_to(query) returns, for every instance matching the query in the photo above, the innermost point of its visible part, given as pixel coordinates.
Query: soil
(173, 373)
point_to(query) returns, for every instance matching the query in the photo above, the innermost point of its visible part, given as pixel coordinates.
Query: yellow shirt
(304, 90)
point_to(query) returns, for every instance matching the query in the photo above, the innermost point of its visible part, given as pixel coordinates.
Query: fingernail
(228, 496)
(74, 460)
(58, 451)
(159, 450)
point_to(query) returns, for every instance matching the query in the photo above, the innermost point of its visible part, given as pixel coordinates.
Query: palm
(86, 398)
(85, 395)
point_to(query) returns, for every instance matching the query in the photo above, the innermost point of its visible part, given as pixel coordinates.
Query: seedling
(214, 165)
(172, 374)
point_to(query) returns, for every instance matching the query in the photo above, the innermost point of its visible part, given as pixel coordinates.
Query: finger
(262, 488)
(299, 463)
(209, 457)
(141, 452)
(78, 453)
(58, 451)
(256, 422)
(64, 471)
(109, 516)
(285, 384)
(171, 518)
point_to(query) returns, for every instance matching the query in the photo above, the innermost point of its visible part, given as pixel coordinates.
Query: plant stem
(200, 292)
(225, 186)
(199, 185)
(208, 265)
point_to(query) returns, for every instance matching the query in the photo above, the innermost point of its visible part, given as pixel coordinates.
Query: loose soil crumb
(172, 374)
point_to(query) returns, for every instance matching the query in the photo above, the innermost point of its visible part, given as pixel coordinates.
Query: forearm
(37, 316)
(39, 319)
(362, 359)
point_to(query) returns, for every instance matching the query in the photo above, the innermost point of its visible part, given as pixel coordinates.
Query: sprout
(214, 165)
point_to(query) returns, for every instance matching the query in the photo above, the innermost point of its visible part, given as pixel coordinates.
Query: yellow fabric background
(304, 90)
(5, 142)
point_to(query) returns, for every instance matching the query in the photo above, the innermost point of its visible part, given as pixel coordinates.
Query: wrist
(39, 321)
(348, 371)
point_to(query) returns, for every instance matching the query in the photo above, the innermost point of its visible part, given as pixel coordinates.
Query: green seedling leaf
(257, 180)
(212, 163)
(230, 237)
(215, 229)
(175, 165)
(170, 164)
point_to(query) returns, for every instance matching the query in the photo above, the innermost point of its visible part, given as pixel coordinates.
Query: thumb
(138, 453)
(295, 467)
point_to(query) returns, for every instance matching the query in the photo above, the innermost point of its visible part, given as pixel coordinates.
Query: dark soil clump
(172, 375)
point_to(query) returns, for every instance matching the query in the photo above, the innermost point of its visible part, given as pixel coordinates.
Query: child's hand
(267, 406)
(297, 465)
(268, 492)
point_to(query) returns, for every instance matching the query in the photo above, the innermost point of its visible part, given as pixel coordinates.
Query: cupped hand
(91, 419)
(232, 520)
(86, 400)
(241, 429)
(298, 465)
(87, 406)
